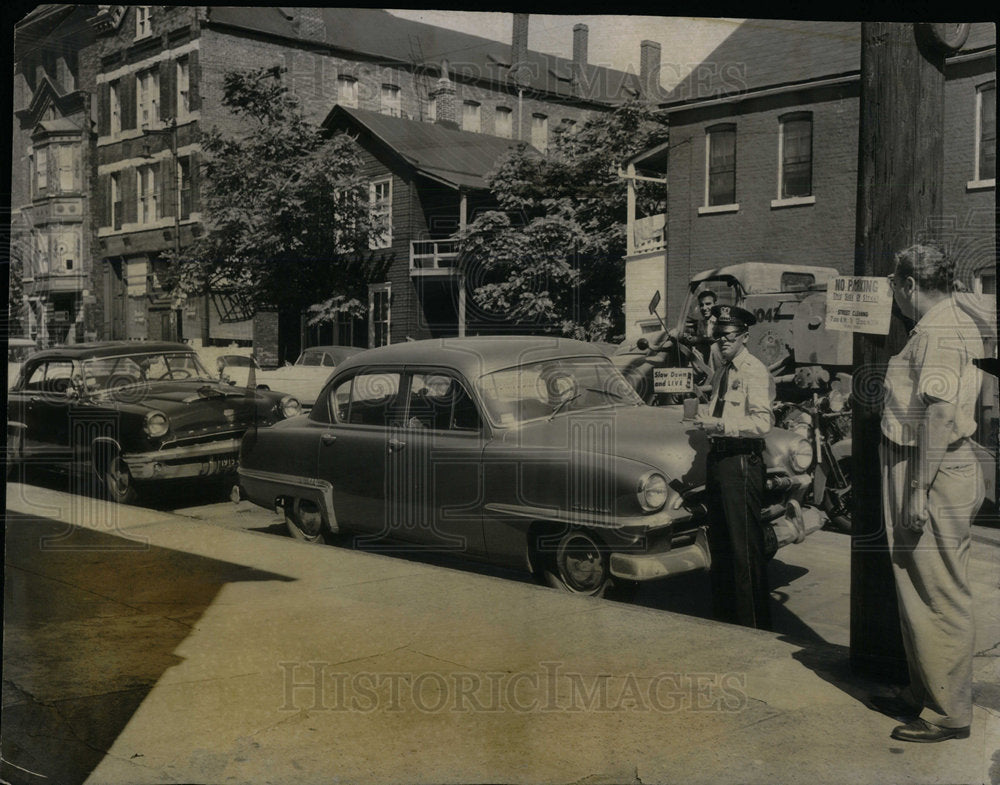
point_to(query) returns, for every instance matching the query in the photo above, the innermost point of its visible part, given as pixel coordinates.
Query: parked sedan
(18, 350)
(306, 377)
(135, 414)
(520, 451)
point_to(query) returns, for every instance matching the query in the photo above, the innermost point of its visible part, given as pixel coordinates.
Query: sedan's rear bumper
(656, 563)
(196, 460)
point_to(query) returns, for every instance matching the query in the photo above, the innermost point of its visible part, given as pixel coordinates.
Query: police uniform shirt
(748, 395)
(935, 365)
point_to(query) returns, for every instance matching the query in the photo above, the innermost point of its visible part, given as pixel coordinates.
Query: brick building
(763, 155)
(155, 80)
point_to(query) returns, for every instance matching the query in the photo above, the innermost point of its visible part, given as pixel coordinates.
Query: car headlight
(156, 424)
(290, 406)
(801, 456)
(652, 491)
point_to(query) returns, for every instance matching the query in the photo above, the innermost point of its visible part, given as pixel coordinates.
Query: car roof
(86, 351)
(20, 342)
(476, 356)
(343, 351)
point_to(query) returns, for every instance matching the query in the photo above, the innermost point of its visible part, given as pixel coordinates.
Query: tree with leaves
(550, 259)
(288, 221)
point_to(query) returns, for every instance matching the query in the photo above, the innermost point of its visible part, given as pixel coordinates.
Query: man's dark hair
(928, 264)
(707, 293)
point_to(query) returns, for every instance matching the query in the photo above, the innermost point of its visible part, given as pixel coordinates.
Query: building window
(147, 194)
(378, 314)
(147, 97)
(67, 246)
(41, 169)
(986, 133)
(795, 155)
(116, 200)
(471, 119)
(540, 132)
(347, 91)
(390, 100)
(183, 89)
(503, 123)
(184, 187)
(142, 28)
(720, 165)
(67, 162)
(116, 107)
(985, 281)
(380, 207)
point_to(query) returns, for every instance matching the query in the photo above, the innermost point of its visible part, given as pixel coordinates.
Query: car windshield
(109, 373)
(547, 388)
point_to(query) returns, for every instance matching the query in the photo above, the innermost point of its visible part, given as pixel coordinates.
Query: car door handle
(395, 445)
(328, 438)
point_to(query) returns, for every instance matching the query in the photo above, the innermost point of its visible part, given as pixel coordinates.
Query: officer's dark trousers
(740, 591)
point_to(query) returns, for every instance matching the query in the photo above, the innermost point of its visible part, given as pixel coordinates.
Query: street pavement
(197, 643)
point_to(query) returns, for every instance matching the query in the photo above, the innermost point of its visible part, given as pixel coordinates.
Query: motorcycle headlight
(290, 406)
(156, 424)
(801, 456)
(652, 491)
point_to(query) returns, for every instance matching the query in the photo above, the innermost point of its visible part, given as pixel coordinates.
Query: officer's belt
(729, 445)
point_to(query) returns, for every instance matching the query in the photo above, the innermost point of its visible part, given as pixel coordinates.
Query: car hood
(654, 435)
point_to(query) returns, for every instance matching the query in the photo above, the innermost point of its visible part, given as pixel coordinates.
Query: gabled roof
(766, 53)
(459, 159)
(379, 34)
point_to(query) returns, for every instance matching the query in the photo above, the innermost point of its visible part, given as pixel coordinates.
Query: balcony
(648, 234)
(434, 257)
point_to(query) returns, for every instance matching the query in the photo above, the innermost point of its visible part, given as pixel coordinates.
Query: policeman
(737, 418)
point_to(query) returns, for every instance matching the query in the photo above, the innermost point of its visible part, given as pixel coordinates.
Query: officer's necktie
(720, 401)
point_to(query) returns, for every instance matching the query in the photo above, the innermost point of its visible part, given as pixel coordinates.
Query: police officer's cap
(733, 315)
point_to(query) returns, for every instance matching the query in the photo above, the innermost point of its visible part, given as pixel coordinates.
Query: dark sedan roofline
(474, 356)
(86, 351)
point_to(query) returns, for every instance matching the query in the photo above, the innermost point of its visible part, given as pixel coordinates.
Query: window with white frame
(432, 104)
(471, 118)
(390, 100)
(147, 97)
(380, 208)
(795, 155)
(378, 314)
(986, 132)
(41, 169)
(502, 121)
(184, 187)
(116, 200)
(985, 281)
(347, 91)
(183, 88)
(116, 107)
(720, 165)
(148, 198)
(42, 252)
(142, 28)
(540, 132)
(68, 166)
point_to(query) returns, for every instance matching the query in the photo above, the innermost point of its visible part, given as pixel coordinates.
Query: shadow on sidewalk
(91, 622)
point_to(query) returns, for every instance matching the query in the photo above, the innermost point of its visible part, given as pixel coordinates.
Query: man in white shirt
(738, 416)
(932, 486)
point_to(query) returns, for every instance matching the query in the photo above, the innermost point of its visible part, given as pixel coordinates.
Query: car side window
(53, 376)
(374, 398)
(440, 402)
(339, 401)
(328, 361)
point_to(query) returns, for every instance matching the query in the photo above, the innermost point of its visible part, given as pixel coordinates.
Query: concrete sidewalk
(144, 647)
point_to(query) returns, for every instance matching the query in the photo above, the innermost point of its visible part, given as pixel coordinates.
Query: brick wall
(819, 234)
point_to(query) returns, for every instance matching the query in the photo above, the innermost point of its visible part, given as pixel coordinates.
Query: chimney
(309, 23)
(579, 55)
(519, 49)
(444, 99)
(649, 70)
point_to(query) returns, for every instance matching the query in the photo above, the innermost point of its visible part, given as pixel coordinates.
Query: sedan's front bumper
(196, 460)
(664, 561)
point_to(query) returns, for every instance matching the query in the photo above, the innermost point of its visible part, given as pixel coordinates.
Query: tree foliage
(287, 213)
(551, 256)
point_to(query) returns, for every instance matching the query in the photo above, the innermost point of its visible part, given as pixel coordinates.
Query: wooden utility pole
(900, 172)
